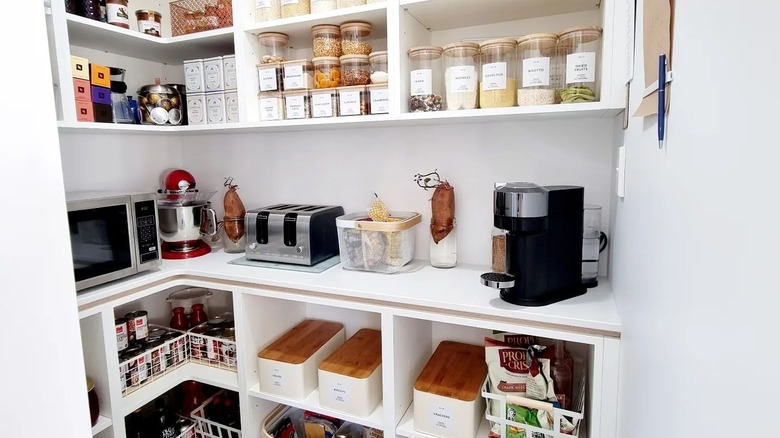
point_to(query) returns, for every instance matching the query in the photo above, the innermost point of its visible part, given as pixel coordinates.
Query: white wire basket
(214, 351)
(209, 428)
(148, 366)
(575, 418)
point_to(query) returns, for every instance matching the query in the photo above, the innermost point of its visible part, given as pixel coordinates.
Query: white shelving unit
(102, 424)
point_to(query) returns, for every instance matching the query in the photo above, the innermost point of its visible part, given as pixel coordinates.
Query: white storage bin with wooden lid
(351, 377)
(288, 367)
(447, 401)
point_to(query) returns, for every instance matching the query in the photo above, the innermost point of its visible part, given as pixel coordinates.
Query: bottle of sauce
(193, 397)
(179, 319)
(198, 316)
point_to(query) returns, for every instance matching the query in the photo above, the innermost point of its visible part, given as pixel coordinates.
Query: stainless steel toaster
(292, 233)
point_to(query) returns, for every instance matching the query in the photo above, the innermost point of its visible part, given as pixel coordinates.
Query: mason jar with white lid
(461, 75)
(537, 63)
(580, 49)
(425, 77)
(498, 83)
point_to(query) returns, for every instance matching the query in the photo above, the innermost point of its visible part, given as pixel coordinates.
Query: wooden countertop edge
(371, 301)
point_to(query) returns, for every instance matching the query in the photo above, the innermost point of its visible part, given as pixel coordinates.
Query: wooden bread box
(447, 401)
(351, 378)
(288, 367)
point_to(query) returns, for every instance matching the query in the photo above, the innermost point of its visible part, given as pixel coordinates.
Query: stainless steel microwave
(112, 235)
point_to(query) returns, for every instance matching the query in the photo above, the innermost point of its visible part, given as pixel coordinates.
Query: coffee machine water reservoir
(543, 243)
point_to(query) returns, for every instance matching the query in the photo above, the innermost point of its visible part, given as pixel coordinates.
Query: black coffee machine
(543, 243)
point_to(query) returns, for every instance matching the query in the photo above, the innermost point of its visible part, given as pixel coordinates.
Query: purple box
(101, 95)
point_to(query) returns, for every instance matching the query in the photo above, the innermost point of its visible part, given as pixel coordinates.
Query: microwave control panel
(146, 229)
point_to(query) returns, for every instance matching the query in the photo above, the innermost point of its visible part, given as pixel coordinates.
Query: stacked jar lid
(268, 10)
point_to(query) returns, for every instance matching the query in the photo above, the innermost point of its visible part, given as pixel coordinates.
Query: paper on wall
(657, 40)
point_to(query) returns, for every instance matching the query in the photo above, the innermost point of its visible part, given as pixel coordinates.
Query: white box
(215, 108)
(231, 106)
(193, 76)
(196, 109)
(229, 69)
(351, 378)
(213, 74)
(296, 377)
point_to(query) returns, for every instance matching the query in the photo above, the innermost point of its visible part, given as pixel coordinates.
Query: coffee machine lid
(520, 200)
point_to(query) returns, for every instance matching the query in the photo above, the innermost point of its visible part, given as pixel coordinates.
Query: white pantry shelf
(102, 424)
(97, 35)
(406, 427)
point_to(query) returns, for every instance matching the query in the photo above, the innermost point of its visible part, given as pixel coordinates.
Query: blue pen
(661, 99)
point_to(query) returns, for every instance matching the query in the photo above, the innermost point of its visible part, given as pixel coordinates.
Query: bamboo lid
(455, 370)
(301, 342)
(358, 357)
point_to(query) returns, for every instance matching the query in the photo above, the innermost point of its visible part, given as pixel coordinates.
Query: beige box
(79, 67)
(351, 377)
(288, 367)
(447, 400)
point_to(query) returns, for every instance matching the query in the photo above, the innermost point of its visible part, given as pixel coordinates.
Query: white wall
(42, 372)
(695, 240)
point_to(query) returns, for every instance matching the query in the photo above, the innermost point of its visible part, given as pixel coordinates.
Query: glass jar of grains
(267, 10)
(322, 5)
(537, 61)
(295, 8)
(355, 70)
(579, 48)
(327, 72)
(355, 38)
(326, 40)
(461, 75)
(497, 84)
(378, 61)
(274, 47)
(349, 3)
(425, 79)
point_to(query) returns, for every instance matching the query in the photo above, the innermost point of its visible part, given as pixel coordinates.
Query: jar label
(293, 77)
(380, 102)
(494, 76)
(269, 108)
(213, 75)
(262, 4)
(536, 72)
(193, 78)
(349, 102)
(289, 2)
(461, 79)
(294, 107)
(421, 82)
(581, 67)
(215, 107)
(322, 105)
(195, 110)
(231, 108)
(117, 14)
(267, 77)
(149, 27)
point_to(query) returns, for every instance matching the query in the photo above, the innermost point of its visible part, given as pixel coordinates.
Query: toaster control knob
(299, 250)
(252, 245)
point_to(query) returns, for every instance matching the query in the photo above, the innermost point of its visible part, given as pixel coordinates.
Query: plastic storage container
(497, 83)
(271, 105)
(349, 3)
(461, 75)
(324, 103)
(327, 72)
(298, 75)
(580, 54)
(326, 40)
(378, 64)
(274, 47)
(385, 247)
(295, 8)
(356, 38)
(322, 6)
(378, 99)
(537, 65)
(296, 105)
(353, 101)
(425, 77)
(267, 10)
(355, 70)
(269, 77)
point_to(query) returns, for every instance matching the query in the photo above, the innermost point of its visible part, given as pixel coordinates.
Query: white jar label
(322, 105)
(277, 378)
(536, 72)
(213, 77)
(380, 102)
(294, 107)
(581, 67)
(462, 79)
(442, 418)
(193, 78)
(262, 4)
(267, 78)
(149, 27)
(215, 109)
(494, 76)
(269, 108)
(117, 14)
(195, 110)
(289, 2)
(293, 77)
(231, 80)
(231, 108)
(349, 102)
(421, 82)
(339, 392)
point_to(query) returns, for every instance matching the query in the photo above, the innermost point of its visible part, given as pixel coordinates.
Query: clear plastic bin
(365, 245)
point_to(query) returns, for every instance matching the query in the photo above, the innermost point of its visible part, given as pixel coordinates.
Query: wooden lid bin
(351, 378)
(288, 367)
(446, 394)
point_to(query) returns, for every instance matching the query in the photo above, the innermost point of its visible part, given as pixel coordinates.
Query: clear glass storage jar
(355, 70)
(267, 10)
(497, 82)
(461, 75)
(296, 105)
(378, 98)
(536, 63)
(269, 76)
(444, 254)
(298, 75)
(353, 101)
(322, 6)
(356, 38)
(378, 65)
(349, 3)
(274, 47)
(327, 72)
(425, 88)
(326, 40)
(295, 8)
(324, 103)
(271, 105)
(580, 55)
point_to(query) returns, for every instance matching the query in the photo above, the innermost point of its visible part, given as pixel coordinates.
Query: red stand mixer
(184, 215)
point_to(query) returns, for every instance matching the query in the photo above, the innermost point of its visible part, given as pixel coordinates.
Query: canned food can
(130, 358)
(213, 344)
(181, 350)
(216, 321)
(141, 324)
(122, 341)
(157, 364)
(229, 347)
(198, 342)
(144, 363)
(130, 318)
(157, 333)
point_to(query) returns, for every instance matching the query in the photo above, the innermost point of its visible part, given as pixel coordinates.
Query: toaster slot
(290, 220)
(262, 227)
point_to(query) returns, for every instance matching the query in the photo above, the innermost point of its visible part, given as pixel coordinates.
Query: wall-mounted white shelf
(102, 424)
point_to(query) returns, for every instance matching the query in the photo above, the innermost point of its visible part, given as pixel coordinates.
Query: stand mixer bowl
(181, 227)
